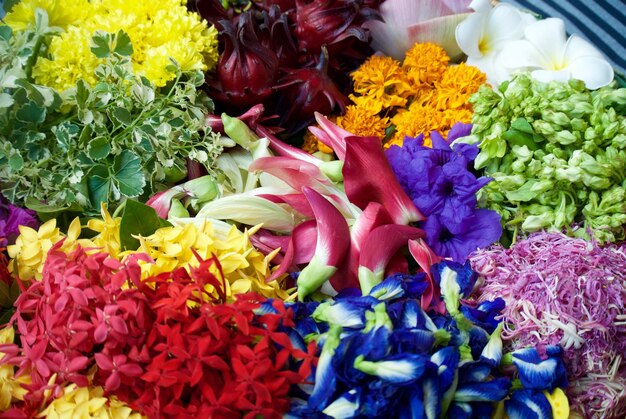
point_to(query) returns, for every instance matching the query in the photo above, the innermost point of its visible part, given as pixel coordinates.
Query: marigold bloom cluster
(159, 31)
(419, 95)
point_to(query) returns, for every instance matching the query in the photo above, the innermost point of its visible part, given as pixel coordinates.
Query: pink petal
(426, 258)
(300, 249)
(287, 150)
(119, 325)
(295, 173)
(368, 177)
(103, 362)
(331, 135)
(296, 201)
(101, 333)
(162, 201)
(333, 243)
(440, 30)
(113, 382)
(381, 245)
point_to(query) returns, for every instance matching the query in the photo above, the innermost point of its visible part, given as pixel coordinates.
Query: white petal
(578, 47)
(457, 6)
(549, 38)
(469, 33)
(505, 24)
(486, 64)
(481, 6)
(440, 31)
(520, 55)
(595, 72)
(552, 75)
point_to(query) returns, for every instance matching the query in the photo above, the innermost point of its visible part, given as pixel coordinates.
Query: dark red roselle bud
(305, 91)
(285, 5)
(276, 34)
(329, 22)
(247, 69)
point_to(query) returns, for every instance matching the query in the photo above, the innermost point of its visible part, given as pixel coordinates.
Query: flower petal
(506, 23)
(469, 33)
(440, 30)
(346, 406)
(549, 38)
(368, 177)
(489, 391)
(528, 404)
(520, 55)
(389, 289)
(396, 369)
(595, 72)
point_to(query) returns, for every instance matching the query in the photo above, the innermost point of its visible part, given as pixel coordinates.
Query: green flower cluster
(557, 154)
(120, 138)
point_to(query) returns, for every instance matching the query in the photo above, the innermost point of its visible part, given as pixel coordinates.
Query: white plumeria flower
(549, 55)
(484, 33)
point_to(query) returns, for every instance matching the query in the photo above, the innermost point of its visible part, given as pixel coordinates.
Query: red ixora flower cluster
(159, 345)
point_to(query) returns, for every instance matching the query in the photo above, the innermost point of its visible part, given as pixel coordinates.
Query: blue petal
(325, 381)
(460, 411)
(432, 397)
(485, 314)
(380, 398)
(412, 315)
(389, 289)
(348, 312)
(266, 307)
(412, 406)
(539, 374)
(489, 391)
(465, 276)
(413, 341)
(478, 339)
(346, 406)
(492, 353)
(399, 369)
(447, 362)
(474, 372)
(528, 404)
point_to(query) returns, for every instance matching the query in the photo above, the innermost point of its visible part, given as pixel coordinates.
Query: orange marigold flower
(311, 144)
(382, 79)
(422, 119)
(425, 63)
(362, 122)
(458, 83)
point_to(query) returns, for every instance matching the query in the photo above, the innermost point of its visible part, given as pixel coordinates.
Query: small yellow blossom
(84, 402)
(108, 229)
(11, 389)
(381, 78)
(458, 83)
(245, 268)
(60, 13)
(29, 253)
(425, 63)
(363, 122)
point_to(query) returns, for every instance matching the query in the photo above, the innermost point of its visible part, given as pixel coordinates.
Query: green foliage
(138, 219)
(557, 153)
(121, 138)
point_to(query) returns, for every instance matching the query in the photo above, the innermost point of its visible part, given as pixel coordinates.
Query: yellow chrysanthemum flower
(84, 402)
(245, 268)
(60, 13)
(11, 389)
(382, 79)
(363, 122)
(425, 63)
(457, 84)
(422, 119)
(31, 247)
(157, 30)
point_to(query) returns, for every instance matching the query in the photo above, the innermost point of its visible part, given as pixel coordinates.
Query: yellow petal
(560, 404)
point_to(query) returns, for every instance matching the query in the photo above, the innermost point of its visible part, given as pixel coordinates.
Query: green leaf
(5, 317)
(123, 116)
(82, 93)
(16, 162)
(520, 138)
(521, 124)
(5, 296)
(100, 44)
(128, 174)
(32, 113)
(5, 32)
(6, 100)
(138, 219)
(41, 208)
(123, 46)
(99, 148)
(99, 184)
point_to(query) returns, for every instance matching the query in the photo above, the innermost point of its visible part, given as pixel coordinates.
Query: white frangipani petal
(520, 55)
(505, 23)
(469, 34)
(549, 39)
(595, 72)
(480, 6)
(577, 47)
(547, 76)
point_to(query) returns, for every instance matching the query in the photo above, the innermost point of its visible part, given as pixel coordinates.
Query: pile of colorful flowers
(327, 208)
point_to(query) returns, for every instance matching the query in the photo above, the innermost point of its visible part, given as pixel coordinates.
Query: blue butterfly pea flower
(540, 374)
(528, 404)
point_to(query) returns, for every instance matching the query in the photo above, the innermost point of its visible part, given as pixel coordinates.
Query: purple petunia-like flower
(442, 186)
(11, 217)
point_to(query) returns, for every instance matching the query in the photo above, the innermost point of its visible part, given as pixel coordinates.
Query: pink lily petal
(300, 248)
(381, 245)
(162, 201)
(397, 264)
(333, 243)
(296, 173)
(331, 135)
(287, 150)
(295, 200)
(368, 177)
(425, 258)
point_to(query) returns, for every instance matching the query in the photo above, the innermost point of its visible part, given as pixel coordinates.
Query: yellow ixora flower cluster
(245, 269)
(422, 94)
(158, 30)
(87, 402)
(11, 389)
